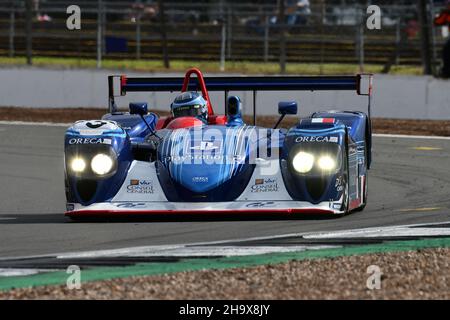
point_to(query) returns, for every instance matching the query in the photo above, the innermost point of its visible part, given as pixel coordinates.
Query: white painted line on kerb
(380, 135)
(404, 136)
(224, 243)
(382, 233)
(21, 272)
(42, 124)
(222, 249)
(192, 251)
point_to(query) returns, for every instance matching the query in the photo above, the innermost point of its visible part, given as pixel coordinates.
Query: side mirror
(233, 106)
(234, 117)
(287, 107)
(284, 108)
(139, 108)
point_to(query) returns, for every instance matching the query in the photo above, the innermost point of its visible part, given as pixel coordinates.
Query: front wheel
(361, 208)
(365, 186)
(345, 201)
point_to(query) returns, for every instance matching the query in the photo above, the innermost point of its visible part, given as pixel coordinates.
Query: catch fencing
(258, 31)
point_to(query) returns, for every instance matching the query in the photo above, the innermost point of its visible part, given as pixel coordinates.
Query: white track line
(380, 135)
(404, 136)
(21, 272)
(205, 248)
(221, 249)
(192, 251)
(162, 248)
(30, 123)
(382, 233)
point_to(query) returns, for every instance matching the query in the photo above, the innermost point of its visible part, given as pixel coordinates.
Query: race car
(197, 162)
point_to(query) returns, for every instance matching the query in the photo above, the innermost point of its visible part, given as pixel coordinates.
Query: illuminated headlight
(78, 165)
(303, 162)
(326, 163)
(102, 164)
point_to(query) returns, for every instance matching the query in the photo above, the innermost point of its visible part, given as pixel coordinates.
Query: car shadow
(204, 218)
(59, 218)
(33, 218)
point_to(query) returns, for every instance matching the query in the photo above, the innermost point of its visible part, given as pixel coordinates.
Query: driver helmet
(190, 104)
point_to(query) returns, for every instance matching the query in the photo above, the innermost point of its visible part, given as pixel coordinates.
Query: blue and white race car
(196, 162)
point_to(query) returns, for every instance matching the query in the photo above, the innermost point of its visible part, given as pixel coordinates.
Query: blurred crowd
(296, 13)
(443, 20)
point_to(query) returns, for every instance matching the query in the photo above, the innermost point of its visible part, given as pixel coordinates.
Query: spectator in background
(303, 12)
(291, 12)
(296, 11)
(39, 16)
(145, 11)
(444, 20)
(445, 71)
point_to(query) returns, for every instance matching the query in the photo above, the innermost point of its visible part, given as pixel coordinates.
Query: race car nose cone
(203, 180)
(201, 161)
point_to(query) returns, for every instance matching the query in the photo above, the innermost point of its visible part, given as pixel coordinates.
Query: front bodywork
(221, 169)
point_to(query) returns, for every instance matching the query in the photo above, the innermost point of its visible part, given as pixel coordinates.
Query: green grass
(209, 66)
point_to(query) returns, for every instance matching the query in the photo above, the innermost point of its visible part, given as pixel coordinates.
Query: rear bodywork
(221, 167)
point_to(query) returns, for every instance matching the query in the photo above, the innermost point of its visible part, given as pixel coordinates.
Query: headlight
(327, 163)
(303, 162)
(78, 165)
(102, 164)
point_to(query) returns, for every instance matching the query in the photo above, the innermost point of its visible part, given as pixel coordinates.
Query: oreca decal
(200, 179)
(89, 141)
(316, 139)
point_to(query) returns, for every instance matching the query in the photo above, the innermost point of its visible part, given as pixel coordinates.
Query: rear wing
(361, 84)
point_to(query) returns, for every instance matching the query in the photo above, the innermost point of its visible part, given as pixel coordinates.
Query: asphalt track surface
(409, 183)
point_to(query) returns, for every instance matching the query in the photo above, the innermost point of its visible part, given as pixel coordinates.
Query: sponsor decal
(70, 207)
(140, 186)
(130, 205)
(337, 206)
(200, 179)
(265, 185)
(216, 158)
(207, 145)
(339, 185)
(95, 124)
(90, 141)
(317, 139)
(260, 204)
